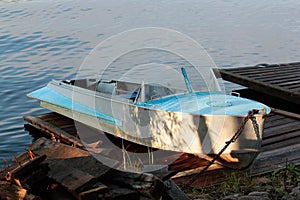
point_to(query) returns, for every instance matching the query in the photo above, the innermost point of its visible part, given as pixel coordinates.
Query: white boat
(196, 122)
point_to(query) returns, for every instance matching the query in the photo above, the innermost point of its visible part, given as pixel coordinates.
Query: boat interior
(132, 91)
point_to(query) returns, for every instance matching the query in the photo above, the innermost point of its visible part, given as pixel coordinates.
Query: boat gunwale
(117, 99)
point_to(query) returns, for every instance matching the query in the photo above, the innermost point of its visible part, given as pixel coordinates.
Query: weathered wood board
(277, 80)
(83, 176)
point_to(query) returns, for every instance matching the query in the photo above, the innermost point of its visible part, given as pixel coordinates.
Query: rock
(245, 189)
(296, 192)
(259, 194)
(253, 198)
(256, 196)
(231, 197)
(200, 199)
(262, 180)
(288, 197)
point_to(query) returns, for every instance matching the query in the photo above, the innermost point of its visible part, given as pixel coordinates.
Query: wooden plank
(70, 178)
(269, 123)
(282, 137)
(294, 87)
(272, 117)
(282, 129)
(289, 82)
(18, 162)
(269, 161)
(27, 168)
(269, 73)
(65, 126)
(86, 164)
(52, 130)
(282, 78)
(54, 149)
(209, 178)
(283, 82)
(281, 144)
(145, 183)
(279, 78)
(187, 162)
(263, 68)
(280, 123)
(266, 74)
(284, 113)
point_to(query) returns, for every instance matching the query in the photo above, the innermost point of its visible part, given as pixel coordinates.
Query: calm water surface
(44, 40)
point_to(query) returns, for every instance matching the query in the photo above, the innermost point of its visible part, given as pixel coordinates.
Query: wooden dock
(281, 142)
(281, 81)
(71, 168)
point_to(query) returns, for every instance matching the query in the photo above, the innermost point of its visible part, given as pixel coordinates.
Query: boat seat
(108, 88)
(130, 96)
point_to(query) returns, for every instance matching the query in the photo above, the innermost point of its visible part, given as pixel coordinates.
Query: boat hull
(238, 155)
(203, 135)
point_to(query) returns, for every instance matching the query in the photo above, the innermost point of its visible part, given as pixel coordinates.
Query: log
(146, 184)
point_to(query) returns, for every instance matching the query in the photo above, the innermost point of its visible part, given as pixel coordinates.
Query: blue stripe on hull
(48, 95)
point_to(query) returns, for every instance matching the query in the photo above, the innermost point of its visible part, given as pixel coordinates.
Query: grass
(278, 184)
(132, 162)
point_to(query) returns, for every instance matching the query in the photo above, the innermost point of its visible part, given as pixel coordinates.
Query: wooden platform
(52, 170)
(281, 142)
(277, 80)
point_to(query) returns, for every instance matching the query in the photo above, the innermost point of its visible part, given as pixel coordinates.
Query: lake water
(44, 40)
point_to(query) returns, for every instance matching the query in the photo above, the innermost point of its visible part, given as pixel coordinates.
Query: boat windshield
(134, 91)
